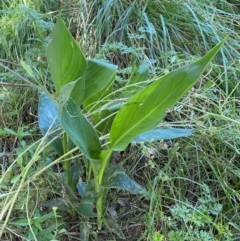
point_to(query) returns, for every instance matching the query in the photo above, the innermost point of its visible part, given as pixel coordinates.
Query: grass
(193, 183)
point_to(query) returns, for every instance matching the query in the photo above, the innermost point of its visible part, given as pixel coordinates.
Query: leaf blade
(66, 61)
(147, 108)
(98, 75)
(162, 134)
(80, 130)
(49, 120)
(115, 177)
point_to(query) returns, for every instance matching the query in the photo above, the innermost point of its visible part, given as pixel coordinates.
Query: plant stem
(99, 207)
(67, 168)
(101, 198)
(67, 164)
(105, 158)
(89, 170)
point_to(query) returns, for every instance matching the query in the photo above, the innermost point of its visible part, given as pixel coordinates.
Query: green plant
(162, 30)
(105, 124)
(168, 35)
(37, 231)
(23, 30)
(188, 221)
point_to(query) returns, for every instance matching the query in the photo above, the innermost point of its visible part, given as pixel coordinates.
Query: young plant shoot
(85, 114)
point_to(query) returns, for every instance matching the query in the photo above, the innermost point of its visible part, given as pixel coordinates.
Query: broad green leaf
(84, 188)
(65, 93)
(85, 231)
(162, 134)
(81, 187)
(100, 98)
(60, 203)
(80, 130)
(47, 113)
(87, 205)
(98, 75)
(147, 108)
(66, 61)
(96, 103)
(138, 80)
(48, 119)
(115, 177)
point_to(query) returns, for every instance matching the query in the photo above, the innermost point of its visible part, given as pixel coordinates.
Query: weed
(193, 183)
